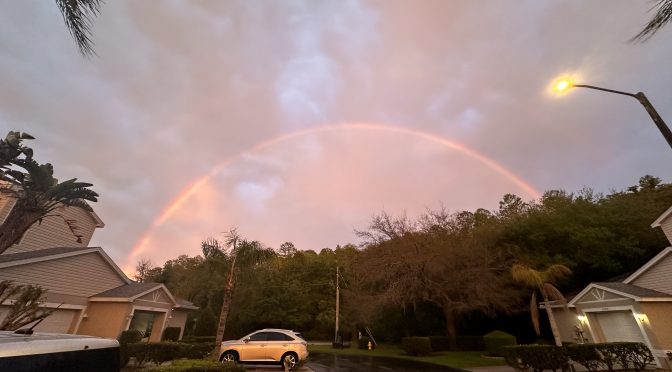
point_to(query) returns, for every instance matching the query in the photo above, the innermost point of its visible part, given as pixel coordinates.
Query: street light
(564, 85)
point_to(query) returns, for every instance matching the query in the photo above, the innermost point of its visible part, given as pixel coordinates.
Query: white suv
(266, 346)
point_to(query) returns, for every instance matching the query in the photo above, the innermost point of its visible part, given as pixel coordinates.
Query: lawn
(457, 359)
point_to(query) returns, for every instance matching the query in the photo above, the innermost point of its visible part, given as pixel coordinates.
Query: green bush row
(160, 352)
(197, 366)
(632, 356)
(495, 342)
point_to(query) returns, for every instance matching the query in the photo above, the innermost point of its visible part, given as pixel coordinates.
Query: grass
(457, 359)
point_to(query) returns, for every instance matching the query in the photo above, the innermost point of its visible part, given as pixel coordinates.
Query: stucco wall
(178, 319)
(105, 319)
(658, 323)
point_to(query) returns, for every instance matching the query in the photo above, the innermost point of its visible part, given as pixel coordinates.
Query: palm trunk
(551, 321)
(226, 302)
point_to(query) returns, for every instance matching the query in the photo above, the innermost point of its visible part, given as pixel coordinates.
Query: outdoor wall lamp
(565, 84)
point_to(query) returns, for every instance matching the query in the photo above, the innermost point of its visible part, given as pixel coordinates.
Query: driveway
(322, 362)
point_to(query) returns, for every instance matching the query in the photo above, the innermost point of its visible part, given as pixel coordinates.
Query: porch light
(582, 318)
(642, 318)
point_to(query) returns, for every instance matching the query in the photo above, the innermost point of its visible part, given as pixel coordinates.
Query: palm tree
(232, 239)
(34, 191)
(661, 18)
(542, 282)
(77, 15)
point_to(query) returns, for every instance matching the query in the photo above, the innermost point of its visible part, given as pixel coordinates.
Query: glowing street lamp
(564, 85)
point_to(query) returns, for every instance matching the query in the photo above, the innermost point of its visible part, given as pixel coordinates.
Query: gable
(657, 274)
(77, 275)
(597, 294)
(159, 295)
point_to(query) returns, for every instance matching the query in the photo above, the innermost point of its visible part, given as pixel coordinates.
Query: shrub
(496, 340)
(127, 337)
(416, 346)
(585, 355)
(196, 350)
(197, 366)
(439, 343)
(536, 357)
(363, 343)
(198, 339)
(625, 355)
(160, 352)
(171, 334)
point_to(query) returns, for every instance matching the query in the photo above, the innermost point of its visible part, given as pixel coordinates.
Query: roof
(648, 265)
(131, 291)
(633, 290)
(40, 255)
(662, 217)
(637, 293)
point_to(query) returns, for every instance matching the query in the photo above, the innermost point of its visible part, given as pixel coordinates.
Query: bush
(416, 346)
(161, 352)
(171, 334)
(496, 340)
(625, 355)
(198, 339)
(197, 366)
(585, 355)
(127, 337)
(196, 350)
(536, 357)
(363, 343)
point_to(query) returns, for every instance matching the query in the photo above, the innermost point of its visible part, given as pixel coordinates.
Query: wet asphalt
(322, 362)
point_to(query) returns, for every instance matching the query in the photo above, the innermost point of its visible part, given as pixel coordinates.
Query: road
(323, 362)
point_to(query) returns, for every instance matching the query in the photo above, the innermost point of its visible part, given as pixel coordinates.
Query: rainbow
(196, 185)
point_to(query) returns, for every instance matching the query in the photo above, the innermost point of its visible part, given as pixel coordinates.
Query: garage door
(619, 326)
(58, 322)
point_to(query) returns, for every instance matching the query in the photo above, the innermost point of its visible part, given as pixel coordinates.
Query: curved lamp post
(564, 85)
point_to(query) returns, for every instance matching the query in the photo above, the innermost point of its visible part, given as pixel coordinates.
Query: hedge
(160, 352)
(197, 366)
(171, 334)
(496, 340)
(127, 337)
(633, 356)
(416, 346)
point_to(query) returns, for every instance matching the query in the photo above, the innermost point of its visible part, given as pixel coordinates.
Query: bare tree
(142, 270)
(24, 308)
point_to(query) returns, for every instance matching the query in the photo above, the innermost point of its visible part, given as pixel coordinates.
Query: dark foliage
(171, 334)
(416, 346)
(495, 341)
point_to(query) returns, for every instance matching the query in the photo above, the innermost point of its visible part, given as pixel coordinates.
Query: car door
(255, 348)
(276, 345)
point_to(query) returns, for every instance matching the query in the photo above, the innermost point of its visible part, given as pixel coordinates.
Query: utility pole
(337, 309)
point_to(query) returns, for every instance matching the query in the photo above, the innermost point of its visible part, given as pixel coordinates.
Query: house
(89, 292)
(638, 308)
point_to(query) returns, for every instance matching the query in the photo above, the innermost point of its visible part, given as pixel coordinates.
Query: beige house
(637, 309)
(91, 294)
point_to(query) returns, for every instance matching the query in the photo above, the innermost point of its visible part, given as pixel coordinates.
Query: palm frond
(554, 294)
(78, 15)
(556, 272)
(526, 275)
(534, 313)
(661, 18)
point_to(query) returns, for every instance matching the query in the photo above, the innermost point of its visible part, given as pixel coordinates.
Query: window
(277, 336)
(261, 336)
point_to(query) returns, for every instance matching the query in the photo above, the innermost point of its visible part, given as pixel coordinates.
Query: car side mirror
(246, 340)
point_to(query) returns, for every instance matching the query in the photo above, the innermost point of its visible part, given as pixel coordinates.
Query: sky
(300, 120)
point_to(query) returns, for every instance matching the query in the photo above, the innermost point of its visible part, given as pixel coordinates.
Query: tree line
(442, 273)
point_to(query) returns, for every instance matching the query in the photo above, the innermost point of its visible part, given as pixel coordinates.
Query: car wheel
(290, 360)
(229, 357)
